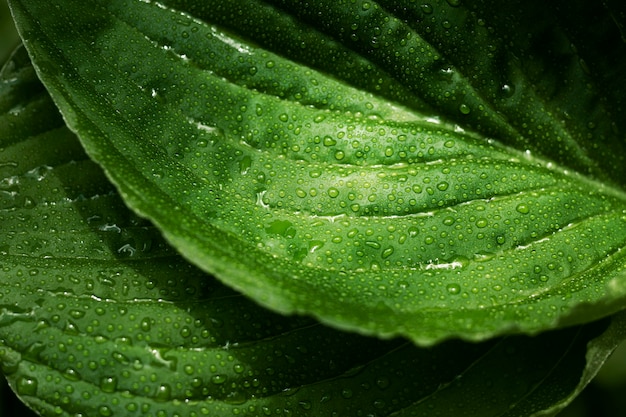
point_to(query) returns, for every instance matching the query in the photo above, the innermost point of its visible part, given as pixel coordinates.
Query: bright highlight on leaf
(393, 208)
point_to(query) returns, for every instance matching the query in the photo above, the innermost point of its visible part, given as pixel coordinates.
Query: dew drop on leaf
(27, 386)
(388, 252)
(145, 324)
(427, 8)
(105, 411)
(163, 393)
(218, 379)
(508, 90)
(346, 393)
(522, 208)
(453, 288)
(108, 384)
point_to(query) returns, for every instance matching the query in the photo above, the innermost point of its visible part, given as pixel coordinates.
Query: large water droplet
(522, 208)
(163, 393)
(108, 384)
(218, 379)
(388, 252)
(281, 227)
(453, 288)
(27, 386)
(105, 411)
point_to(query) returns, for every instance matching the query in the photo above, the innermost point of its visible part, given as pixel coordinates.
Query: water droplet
(281, 227)
(315, 245)
(453, 288)
(163, 393)
(464, 109)
(449, 221)
(333, 192)
(71, 374)
(522, 208)
(481, 223)
(382, 382)
(108, 384)
(244, 165)
(328, 141)
(442, 186)
(387, 252)
(145, 324)
(305, 404)
(105, 411)
(508, 90)
(218, 379)
(27, 386)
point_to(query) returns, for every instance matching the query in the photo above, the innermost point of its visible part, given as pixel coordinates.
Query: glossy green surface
(100, 317)
(391, 206)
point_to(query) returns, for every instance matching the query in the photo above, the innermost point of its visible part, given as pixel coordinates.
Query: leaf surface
(451, 178)
(100, 317)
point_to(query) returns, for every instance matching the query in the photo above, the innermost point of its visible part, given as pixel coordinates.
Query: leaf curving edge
(313, 196)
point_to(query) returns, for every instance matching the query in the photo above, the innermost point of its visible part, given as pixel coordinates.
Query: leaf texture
(100, 317)
(411, 193)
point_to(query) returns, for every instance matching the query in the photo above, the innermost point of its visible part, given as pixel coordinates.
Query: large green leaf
(99, 317)
(457, 174)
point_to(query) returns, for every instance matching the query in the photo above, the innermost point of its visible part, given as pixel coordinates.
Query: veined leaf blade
(312, 196)
(98, 316)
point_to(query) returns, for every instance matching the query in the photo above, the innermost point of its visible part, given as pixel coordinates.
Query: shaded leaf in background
(373, 208)
(99, 317)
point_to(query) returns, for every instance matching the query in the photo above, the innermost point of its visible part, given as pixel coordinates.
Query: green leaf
(99, 317)
(467, 190)
(8, 34)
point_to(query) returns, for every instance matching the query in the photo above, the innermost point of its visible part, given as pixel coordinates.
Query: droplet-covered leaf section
(310, 195)
(99, 317)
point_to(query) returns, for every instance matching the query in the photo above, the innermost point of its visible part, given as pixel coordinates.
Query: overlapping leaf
(366, 202)
(99, 317)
